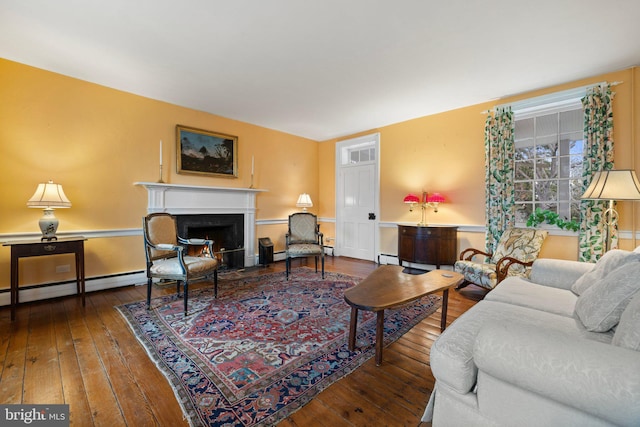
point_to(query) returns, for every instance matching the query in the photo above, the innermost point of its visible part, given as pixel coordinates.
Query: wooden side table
(29, 248)
(434, 245)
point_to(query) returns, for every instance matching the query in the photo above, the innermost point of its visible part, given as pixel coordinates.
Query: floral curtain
(499, 174)
(598, 155)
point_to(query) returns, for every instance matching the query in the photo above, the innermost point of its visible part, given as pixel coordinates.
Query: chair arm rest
(194, 241)
(166, 247)
(503, 265)
(597, 378)
(320, 238)
(469, 253)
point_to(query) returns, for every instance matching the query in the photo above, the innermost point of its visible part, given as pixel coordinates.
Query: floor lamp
(612, 185)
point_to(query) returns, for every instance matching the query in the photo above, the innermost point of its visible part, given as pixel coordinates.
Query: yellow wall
(97, 142)
(445, 153)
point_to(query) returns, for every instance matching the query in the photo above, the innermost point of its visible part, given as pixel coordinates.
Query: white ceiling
(323, 68)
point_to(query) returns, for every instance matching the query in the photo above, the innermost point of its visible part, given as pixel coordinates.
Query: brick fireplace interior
(226, 231)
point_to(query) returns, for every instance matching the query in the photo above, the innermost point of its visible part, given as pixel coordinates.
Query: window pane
(576, 188)
(524, 170)
(547, 125)
(575, 211)
(524, 153)
(354, 156)
(523, 128)
(553, 207)
(546, 168)
(523, 212)
(523, 191)
(364, 155)
(577, 146)
(372, 154)
(546, 191)
(547, 147)
(571, 121)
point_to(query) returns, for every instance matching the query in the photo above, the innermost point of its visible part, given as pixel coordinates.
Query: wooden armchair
(166, 258)
(303, 239)
(515, 252)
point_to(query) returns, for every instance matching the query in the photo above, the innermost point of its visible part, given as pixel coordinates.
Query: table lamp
(612, 185)
(428, 201)
(49, 196)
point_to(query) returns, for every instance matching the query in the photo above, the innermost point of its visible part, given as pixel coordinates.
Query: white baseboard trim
(65, 289)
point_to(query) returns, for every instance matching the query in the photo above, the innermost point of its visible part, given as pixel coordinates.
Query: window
(360, 153)
(548, 160)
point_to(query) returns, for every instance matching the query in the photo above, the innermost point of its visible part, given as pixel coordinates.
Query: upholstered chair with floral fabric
(304, 239)
(514, 255)
(167, 256)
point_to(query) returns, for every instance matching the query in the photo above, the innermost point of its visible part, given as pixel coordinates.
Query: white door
(357, 197)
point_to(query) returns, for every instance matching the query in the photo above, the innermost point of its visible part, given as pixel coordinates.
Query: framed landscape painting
(206, 153)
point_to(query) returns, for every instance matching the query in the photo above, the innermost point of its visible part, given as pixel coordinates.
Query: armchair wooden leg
(322, 268)
(287, 265)
(215, 284)
(463, 285)
(186, 296)
(149, 285)
(316, 259)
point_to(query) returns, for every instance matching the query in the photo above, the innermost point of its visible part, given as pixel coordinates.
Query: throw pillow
(601, 305)
(605, 265)
(628, 331)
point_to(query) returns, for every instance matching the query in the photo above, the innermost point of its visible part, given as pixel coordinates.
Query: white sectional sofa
(561, 348)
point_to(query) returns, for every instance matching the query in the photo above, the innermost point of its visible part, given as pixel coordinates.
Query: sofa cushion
(558, 273)
(601, 305)
(628, 331)
(451, 355)
(522, 292)
(605, 265)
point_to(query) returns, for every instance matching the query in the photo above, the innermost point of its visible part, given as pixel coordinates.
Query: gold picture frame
(202, 152)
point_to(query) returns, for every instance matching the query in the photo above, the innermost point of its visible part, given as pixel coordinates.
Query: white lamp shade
(613, 185)
(304, 201)
(49, 195)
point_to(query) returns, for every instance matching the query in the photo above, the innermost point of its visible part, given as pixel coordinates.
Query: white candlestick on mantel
(252, 165)
(160, 152)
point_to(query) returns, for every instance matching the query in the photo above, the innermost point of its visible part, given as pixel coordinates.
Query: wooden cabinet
(434, 245)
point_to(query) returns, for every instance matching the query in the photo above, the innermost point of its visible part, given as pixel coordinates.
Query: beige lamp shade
(304, 202)
(620, 184)
(47, 197)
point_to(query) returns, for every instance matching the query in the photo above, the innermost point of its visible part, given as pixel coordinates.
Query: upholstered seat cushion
(520, 291)
(480, 274)
(195, 266)
(306, 249)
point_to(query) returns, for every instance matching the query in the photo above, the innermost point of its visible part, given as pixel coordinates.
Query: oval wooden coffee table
(388, 287)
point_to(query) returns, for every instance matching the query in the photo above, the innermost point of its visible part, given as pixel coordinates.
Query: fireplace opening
(226, 231)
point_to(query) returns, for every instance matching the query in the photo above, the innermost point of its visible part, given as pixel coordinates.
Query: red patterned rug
(265, 347)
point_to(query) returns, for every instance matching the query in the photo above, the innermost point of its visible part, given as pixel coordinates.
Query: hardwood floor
(57, 352)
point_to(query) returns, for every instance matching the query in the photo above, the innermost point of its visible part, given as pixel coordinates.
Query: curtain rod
(550, 97)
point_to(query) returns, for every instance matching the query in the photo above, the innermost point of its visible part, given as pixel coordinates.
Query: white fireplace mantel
(179, 199)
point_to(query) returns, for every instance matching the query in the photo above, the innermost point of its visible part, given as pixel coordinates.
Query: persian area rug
(264, 347)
